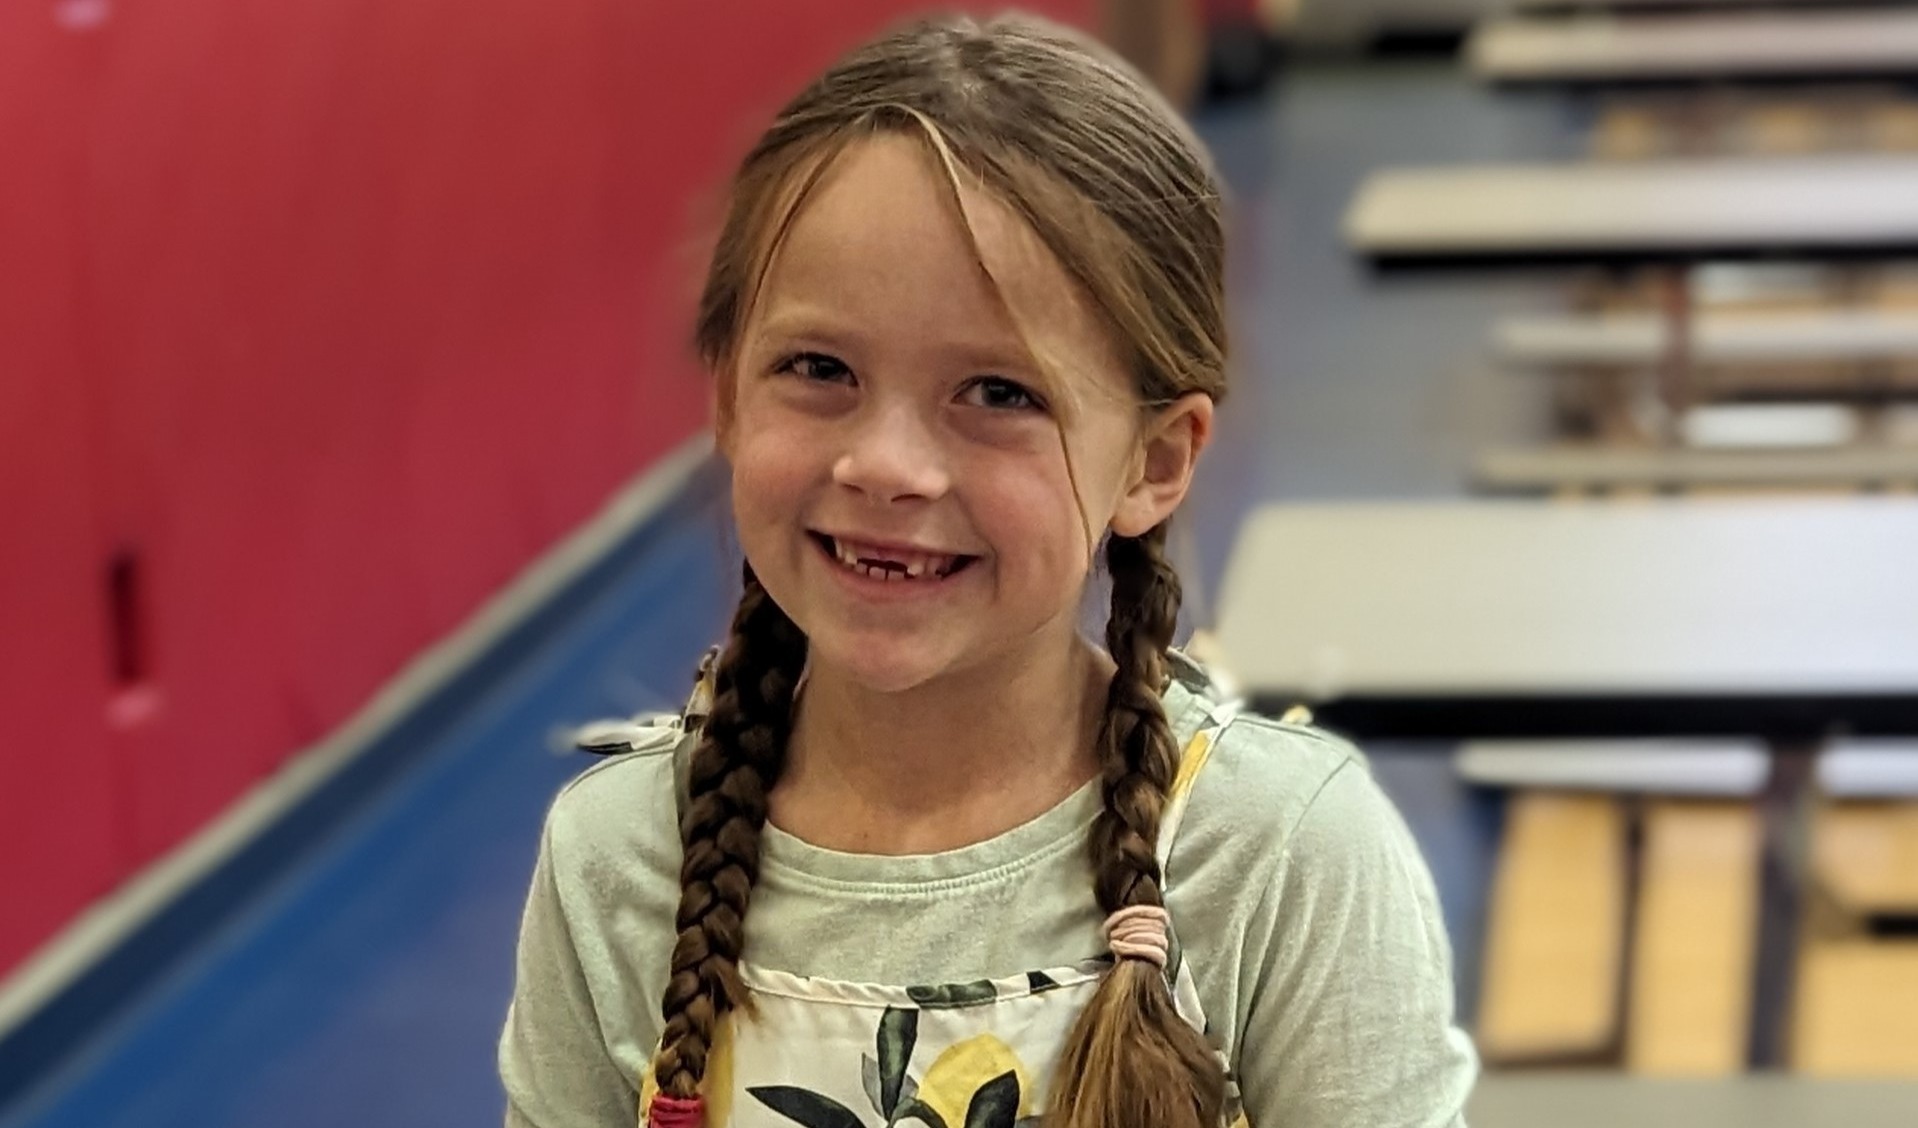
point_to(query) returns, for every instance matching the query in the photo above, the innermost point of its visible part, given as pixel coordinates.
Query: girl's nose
(892, 456)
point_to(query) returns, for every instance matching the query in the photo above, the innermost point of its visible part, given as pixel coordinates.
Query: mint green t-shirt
(1302, 903)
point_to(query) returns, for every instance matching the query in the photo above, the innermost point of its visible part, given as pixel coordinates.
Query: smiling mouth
(892, 565)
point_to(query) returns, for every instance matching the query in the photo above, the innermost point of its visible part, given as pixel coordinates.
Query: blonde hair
(1119, 191)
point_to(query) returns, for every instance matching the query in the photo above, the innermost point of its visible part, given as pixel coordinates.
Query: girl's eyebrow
(807, 322)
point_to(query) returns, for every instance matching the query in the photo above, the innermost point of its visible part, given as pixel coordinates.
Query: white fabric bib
(820, 1053)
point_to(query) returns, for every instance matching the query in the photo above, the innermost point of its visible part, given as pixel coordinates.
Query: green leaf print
(908, 1093)
(869, 1077)
(953, 994)
(996, 1104)
(805, 1107)
(912, 1108)
(898, 1033)
(1038, 982)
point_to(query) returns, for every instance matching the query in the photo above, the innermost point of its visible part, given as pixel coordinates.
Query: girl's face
(900, 472)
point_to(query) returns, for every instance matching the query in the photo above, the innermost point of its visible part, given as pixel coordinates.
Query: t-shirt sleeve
(553, 1058)
(1350, 1022)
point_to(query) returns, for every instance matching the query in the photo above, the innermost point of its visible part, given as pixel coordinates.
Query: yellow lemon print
(963, 1069)
(717, 1087)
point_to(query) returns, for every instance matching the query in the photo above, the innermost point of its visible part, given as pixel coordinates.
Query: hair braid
(741, 752)
(1132, 1061)
(1135, 743)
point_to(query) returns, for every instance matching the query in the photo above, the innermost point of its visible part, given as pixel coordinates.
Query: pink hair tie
(676, 1112)
(1140, 932)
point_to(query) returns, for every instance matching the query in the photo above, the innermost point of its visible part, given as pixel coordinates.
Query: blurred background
(352, 456)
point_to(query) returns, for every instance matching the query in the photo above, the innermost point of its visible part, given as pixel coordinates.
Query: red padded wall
(61, 802)
(330, 315)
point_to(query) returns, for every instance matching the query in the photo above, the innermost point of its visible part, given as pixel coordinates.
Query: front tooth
(916, 567)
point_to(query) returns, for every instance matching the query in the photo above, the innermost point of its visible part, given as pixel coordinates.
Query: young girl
(918, 852)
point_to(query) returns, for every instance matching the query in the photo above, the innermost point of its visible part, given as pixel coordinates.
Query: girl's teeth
(904, 567)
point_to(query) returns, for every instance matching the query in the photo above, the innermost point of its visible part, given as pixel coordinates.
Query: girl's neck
(947, 764)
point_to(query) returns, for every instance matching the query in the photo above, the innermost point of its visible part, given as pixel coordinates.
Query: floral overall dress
(821, 1053)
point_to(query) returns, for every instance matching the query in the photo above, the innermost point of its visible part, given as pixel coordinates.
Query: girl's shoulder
(622, 812)
(1257, 778)
(1290, 749)
(644, 756)
(1269, 773)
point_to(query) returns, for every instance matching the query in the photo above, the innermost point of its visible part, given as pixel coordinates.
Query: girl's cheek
(771, 437)
(1030, 503)
(764, 479)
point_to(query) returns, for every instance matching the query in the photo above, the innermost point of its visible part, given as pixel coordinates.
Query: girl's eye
(1003, 394)
(816, 366)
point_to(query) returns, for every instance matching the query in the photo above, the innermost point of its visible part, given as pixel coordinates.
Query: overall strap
(1193, 756)
(1218, 710)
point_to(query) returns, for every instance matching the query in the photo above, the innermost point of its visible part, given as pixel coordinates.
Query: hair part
(1108, 177)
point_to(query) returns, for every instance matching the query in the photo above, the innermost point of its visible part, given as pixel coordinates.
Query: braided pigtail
(1132, 1061)
(741, 752)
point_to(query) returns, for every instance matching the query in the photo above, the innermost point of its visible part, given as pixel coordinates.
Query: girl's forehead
(882, 239)
(894, 186)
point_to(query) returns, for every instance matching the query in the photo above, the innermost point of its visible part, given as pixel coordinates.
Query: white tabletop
(1862, 768)
(1659, 767)
(1695, 597)
(1837, 335)
(1589, 465)
(1694, 45)
(1825, 205)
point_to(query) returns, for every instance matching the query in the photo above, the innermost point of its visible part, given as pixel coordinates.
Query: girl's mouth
(892, 565)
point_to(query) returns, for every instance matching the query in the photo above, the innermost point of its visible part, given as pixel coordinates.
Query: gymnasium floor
(367, 989)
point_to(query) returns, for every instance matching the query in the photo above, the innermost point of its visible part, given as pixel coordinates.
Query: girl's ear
(1162, 473)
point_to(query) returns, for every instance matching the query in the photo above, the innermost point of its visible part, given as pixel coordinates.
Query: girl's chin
(880, 666)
